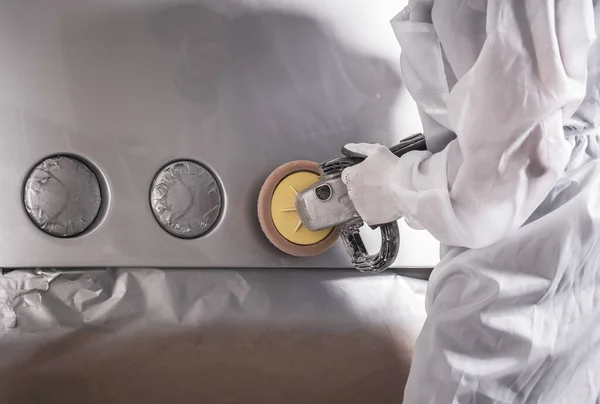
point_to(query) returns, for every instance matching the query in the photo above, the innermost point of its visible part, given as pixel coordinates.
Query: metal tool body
(326, 204)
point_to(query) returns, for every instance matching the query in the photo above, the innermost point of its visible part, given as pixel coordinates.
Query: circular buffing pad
(277, 212)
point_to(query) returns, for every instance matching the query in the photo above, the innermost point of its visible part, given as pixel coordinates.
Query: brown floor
(223, 365)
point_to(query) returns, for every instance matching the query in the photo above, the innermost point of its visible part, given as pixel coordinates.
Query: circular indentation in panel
(62, 196)
(186, 199)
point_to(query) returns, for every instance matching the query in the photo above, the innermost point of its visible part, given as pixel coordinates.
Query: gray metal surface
(241, 88)
(62, 196)
(238, 86)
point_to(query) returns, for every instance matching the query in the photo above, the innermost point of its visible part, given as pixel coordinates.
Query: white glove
(370, 184)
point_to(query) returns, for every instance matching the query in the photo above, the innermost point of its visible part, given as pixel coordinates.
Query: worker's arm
(507, 112)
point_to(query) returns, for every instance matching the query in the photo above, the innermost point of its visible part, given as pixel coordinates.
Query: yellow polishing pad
(283, 210)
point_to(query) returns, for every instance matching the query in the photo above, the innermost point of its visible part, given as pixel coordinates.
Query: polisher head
(277, 213)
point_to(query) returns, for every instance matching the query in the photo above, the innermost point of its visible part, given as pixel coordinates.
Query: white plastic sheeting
(508, 92)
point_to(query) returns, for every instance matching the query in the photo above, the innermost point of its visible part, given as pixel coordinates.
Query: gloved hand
(370, 184)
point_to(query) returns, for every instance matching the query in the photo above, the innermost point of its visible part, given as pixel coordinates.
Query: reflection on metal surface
(62, 196)
(196, 37)
(186, 199)
(240, 86)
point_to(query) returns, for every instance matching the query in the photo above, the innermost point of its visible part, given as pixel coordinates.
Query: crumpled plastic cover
(222, 336)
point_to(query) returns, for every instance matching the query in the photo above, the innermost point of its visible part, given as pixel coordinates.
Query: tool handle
(350, 158)
(390, 234)
(360, 257)
(414, 142)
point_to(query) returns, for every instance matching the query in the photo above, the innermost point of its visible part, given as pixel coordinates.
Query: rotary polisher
(304, 207)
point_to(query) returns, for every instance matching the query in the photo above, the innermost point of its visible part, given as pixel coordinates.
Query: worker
(508, 94)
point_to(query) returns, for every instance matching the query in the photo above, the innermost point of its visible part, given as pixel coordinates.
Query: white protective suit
(508, 92)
